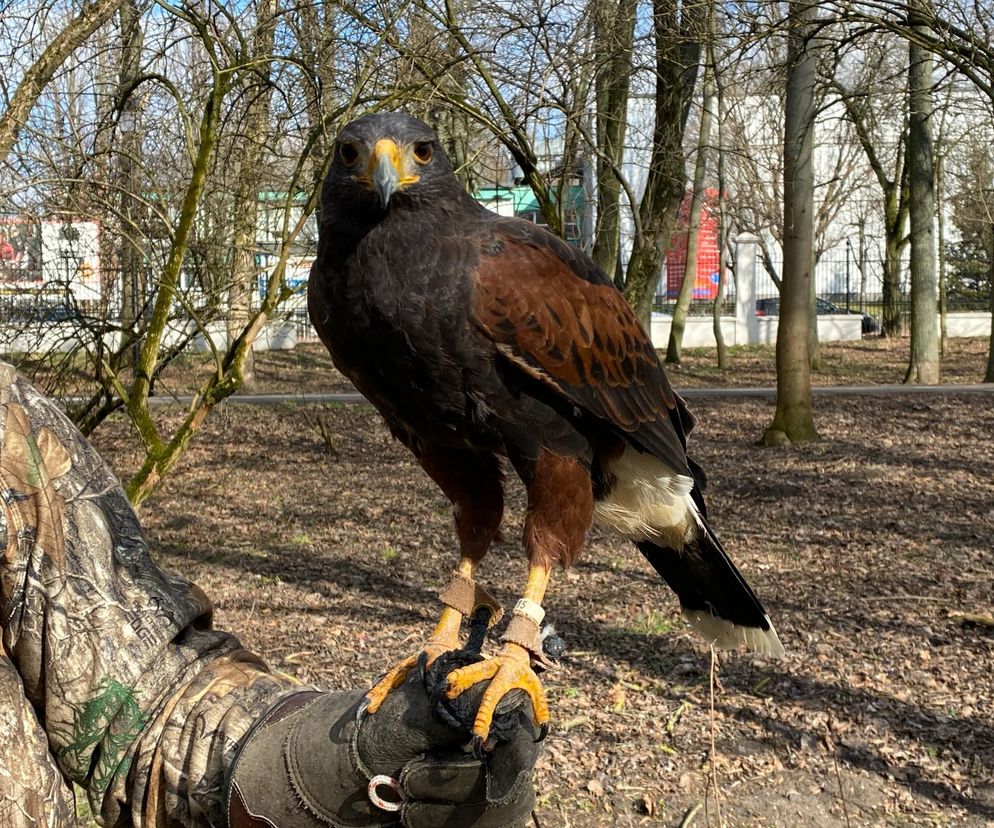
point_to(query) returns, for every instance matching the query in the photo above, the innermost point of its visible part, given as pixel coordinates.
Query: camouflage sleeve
(105, 654)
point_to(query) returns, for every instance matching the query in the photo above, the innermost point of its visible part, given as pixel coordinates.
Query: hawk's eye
(422, 152)
(349, 153)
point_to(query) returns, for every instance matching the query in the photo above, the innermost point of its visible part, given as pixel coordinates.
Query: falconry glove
(311, 762)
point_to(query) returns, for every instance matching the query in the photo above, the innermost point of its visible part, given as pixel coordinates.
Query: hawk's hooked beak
(386, 171)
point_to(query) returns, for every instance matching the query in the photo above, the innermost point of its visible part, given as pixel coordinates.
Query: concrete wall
(968, 323)
(273, 337)
(52, 338)
(64, 337)
(699, 332)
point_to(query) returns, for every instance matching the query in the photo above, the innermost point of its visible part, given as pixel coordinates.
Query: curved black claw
(477, 745)
(543, 731)
(361, 710)
(422, 666)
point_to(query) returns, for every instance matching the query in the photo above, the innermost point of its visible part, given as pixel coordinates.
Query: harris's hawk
(481, 337)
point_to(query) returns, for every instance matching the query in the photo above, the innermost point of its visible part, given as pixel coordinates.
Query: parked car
(39, 314)
(771, 307)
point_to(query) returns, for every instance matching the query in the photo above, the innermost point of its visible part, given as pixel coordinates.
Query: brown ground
(866, 547)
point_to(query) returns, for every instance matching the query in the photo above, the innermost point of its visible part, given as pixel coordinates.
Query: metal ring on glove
(379, 801)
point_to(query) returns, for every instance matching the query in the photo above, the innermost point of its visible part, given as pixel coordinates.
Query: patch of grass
(655, 622)
(389, 553)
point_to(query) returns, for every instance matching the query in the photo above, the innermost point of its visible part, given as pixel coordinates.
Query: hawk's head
(381, 155)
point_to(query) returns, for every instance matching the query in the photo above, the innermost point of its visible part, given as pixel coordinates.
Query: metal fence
(55, 315)
(58, 304)
(840, 285)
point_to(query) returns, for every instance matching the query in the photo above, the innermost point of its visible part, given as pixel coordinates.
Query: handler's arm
(143, 704)
(163, 720)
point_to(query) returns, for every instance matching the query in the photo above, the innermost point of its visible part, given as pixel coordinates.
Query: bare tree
(887, 160)
(794, 420)
(255, 89)
(754, 158)
(678, 30)
(614, 33)
(674, 346)
(924, 361)
(176, 179)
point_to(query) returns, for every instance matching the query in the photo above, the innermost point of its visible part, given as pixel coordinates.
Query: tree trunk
(896, 209)
(723, 246)
(924, 363)
(989, 375)
(682, 308)
(716, 313)
(794, 420)
(862, 266)
(940, 219)
(814, 345)
(128, 156)
(677, 57)
(614, 34)
(892, 323)
(244, 244)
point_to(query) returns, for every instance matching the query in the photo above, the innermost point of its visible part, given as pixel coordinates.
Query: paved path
(689, 393)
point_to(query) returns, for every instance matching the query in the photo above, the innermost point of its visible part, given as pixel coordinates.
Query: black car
(771, 307)
(35, 314)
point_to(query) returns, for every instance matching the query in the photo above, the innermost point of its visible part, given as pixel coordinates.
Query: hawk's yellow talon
(397, 675)
(508, 670)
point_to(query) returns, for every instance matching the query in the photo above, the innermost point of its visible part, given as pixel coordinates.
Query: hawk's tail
(715, 598)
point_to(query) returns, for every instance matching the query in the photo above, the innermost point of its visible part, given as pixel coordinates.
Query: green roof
(524, 198)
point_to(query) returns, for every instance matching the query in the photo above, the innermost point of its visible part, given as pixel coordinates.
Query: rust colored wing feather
(556, 316)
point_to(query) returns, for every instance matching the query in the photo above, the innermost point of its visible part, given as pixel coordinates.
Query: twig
(830, 744)
(842, 791)
(675, 717)
(714, 760)
(320, 424)
(689, 816)
(980, 619)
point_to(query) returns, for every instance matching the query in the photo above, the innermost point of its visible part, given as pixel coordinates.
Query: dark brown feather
(571, 329)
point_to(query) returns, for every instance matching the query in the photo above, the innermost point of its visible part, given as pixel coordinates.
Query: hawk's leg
(472, 481)
(511, 668)
(560, 510)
